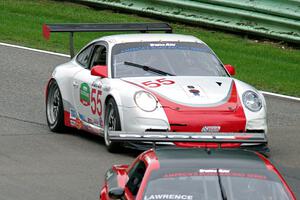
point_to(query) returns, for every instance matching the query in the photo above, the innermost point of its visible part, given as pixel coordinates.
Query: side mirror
(116, 193)
(230, 69)
(99, 70)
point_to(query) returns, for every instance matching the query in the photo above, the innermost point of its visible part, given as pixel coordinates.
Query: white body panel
(255, 120)
(210, 93)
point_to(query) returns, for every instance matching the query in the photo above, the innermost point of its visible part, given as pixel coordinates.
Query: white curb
(36, 50)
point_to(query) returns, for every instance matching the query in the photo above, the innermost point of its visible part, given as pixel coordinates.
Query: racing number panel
(87, 90)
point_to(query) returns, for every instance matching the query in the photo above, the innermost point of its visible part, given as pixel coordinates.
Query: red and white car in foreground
(192, 173)
(196, 174)
(150, 83)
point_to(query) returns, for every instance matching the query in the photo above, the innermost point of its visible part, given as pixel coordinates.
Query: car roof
(148, 37)
(213, 158)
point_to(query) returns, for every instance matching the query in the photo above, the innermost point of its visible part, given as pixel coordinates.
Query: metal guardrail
(278, 19)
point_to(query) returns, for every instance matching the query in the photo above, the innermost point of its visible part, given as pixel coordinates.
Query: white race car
(149, 83)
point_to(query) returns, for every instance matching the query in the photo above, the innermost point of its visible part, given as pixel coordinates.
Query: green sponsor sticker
(85, 94)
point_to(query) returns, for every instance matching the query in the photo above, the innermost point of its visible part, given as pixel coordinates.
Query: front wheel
(54, 108)
(111, 123)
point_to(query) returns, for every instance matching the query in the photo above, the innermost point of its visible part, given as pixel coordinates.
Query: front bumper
(136, 120)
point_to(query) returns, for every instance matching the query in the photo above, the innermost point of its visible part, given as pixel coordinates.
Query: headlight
(252, 101)
(145, 101)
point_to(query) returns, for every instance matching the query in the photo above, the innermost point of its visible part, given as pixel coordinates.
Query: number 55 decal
(96, 105)
(158, 82)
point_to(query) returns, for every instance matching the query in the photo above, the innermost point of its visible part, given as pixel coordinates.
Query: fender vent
(255, 131)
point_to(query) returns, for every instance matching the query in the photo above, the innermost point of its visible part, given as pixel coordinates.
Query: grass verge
(267, 66)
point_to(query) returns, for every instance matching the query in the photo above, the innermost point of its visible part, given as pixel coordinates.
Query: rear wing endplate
(188, 137)
(72, 28)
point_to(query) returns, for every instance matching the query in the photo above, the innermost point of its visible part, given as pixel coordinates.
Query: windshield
(175, 58)
(207, 184)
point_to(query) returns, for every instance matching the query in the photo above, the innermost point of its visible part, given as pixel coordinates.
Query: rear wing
(72, 28)
(188, 137)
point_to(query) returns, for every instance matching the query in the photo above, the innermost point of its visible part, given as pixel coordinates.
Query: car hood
(187, 90)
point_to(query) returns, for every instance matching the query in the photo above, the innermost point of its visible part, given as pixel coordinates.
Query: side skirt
(82, 125)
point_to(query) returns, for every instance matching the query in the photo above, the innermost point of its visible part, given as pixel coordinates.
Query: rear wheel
(54, 108)
(111, 123)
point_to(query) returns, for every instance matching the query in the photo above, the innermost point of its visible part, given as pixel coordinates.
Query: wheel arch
(47, 88)
(59, 87)
(65, 107)
(59, 124)
(117, 99)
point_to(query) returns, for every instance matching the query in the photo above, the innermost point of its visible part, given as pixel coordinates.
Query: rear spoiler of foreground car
(72, 28)
(218, 137)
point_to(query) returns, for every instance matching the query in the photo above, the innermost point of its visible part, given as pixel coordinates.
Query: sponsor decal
(97, 84)
(84, 94)
(82, 117)
(210, 128)
(101, 121)
(96, 121)
(73, 123)
(73, 113)
(158, 82)
(193, 90)
(90, 121)
(214, 171)
(201, 172)
(168, 196)
(78, 124)
(162, 44)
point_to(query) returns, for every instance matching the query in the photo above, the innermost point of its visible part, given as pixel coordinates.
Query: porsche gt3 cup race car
(196, 174)
(148, 83)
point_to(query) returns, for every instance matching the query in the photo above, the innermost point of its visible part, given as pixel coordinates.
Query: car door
(87, 91)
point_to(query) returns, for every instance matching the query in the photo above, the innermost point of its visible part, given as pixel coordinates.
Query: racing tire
(112, 123)
(54, 108)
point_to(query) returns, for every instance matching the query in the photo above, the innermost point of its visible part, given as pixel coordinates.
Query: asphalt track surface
(38, 164)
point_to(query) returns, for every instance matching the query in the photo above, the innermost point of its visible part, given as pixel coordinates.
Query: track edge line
(35, 50)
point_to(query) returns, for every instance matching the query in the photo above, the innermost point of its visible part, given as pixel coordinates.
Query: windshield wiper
(148, 68)
(223, 193)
